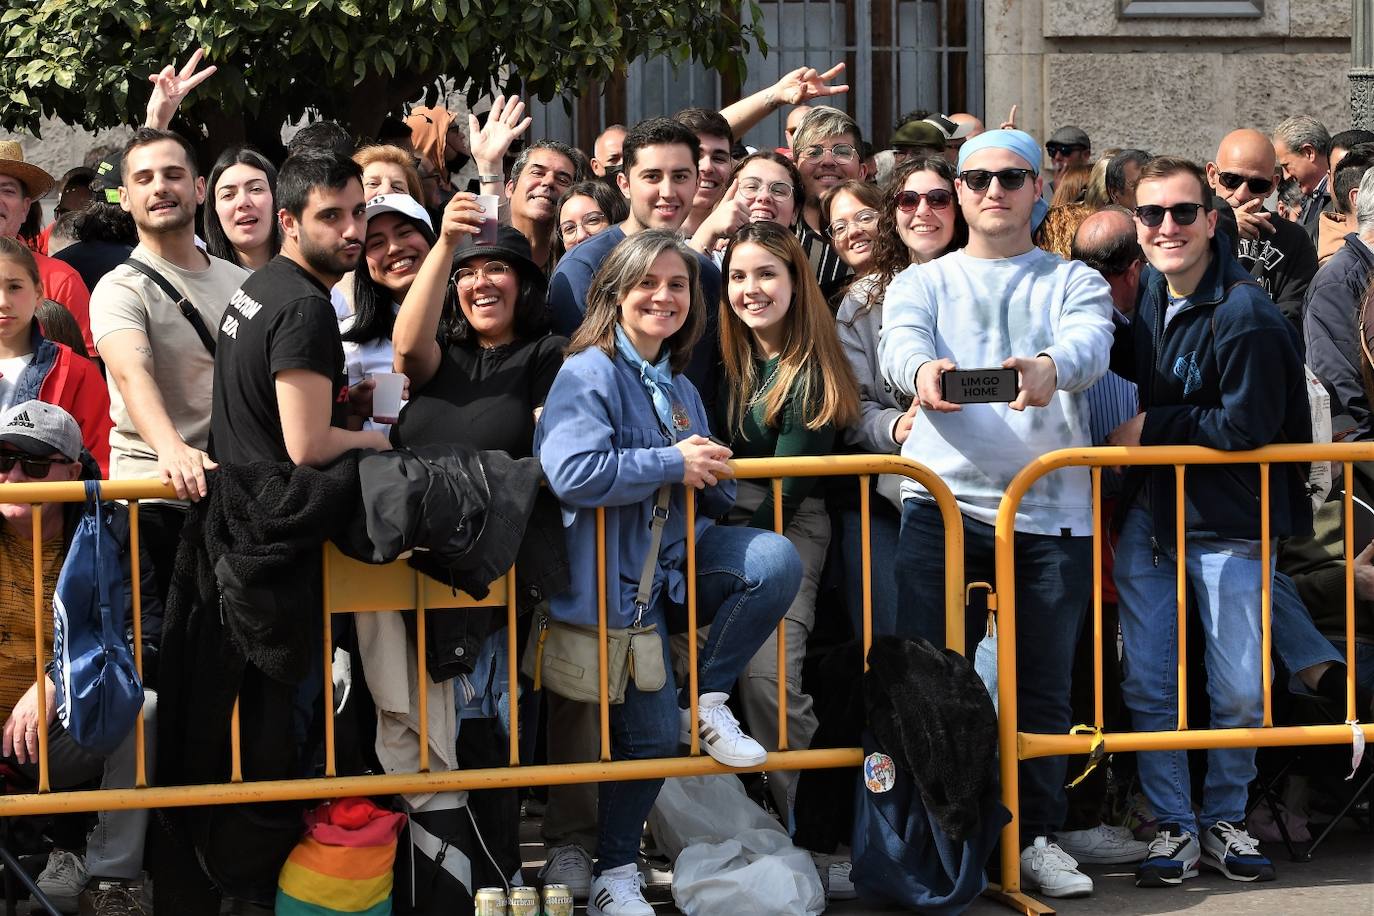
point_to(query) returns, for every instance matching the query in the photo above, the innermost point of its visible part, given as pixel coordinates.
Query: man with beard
(1276, 252)
(544, 171)
(159, 370)
(281, 393)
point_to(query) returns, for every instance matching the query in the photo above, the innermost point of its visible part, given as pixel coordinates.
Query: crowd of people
(626, 320)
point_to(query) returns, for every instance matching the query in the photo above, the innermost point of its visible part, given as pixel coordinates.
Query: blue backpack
(99, 695)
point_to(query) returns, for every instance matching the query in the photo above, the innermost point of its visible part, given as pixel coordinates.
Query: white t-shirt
(10, 370)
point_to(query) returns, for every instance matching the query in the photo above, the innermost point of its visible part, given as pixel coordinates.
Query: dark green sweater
(790, 438)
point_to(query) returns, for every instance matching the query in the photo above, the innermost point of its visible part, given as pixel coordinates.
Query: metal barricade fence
(1016, 746)
(352, 587)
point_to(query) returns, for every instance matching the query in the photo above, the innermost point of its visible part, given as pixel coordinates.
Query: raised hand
(1010, 122)
(505, 123)
(171, 86)
(806, 83)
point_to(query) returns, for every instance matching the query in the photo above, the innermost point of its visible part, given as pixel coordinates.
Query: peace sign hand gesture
(170, 88)
(806, 83)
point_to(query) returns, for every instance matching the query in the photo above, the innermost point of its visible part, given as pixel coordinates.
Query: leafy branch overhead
(86, 61)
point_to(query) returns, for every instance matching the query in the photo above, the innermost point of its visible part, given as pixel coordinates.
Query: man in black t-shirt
(281, 393)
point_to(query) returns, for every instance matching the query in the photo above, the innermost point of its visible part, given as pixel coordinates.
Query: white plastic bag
(760, 873)
(730, 856)
(692, 809)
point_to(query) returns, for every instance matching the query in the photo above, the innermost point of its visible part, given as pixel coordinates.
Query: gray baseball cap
(38, 429)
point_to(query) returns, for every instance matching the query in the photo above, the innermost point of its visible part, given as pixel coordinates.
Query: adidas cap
(38, 428)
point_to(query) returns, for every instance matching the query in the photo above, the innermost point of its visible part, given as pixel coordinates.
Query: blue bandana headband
(1019, 143)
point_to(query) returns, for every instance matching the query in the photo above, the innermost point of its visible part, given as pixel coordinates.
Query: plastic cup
(490, 205)
(386, 396)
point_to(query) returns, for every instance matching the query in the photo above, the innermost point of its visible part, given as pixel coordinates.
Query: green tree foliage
(86, 61)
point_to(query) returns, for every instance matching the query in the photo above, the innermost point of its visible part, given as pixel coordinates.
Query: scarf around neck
(656, 377)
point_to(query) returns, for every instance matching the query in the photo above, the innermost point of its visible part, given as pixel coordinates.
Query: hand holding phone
(979, 386)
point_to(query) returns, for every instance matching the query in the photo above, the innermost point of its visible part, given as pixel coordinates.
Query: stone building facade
(1168, 85)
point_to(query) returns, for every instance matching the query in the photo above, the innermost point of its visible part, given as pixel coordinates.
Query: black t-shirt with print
(281, 318)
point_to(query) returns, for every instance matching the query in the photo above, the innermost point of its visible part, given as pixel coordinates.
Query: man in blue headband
(1002, 302)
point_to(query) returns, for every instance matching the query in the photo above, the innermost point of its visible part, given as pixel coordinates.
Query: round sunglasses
(935, 198)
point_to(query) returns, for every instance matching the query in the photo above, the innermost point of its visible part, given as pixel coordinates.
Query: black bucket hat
(510, 245)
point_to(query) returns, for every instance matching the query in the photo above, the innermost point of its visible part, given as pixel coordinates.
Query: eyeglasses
(935, 198)
(864, 219)
(842, 152)
(778, 190)
(37, 468)
(592, 222)
(1230, 181)
(1152, 215)
(980, 179)
(466, 277)
(1063, 149)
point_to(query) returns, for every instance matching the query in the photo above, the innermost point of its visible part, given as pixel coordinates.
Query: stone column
(1362, 64)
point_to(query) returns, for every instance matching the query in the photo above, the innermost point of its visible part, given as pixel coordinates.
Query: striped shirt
(831, 273)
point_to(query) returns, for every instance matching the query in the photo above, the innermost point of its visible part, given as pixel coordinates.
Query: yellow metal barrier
(1017, 746)
(352, 587)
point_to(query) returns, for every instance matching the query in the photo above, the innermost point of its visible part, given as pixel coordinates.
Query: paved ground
(1338, 882)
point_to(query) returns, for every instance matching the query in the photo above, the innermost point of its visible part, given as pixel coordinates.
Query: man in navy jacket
(1217, 365)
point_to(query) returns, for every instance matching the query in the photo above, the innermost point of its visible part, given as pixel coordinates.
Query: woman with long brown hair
(791, 391)
(919, 220)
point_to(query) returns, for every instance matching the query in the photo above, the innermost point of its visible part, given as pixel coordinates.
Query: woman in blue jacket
(620, 423)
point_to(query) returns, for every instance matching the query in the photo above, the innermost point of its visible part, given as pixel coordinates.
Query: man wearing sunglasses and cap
(1218, 366)
(41, 442)
(1276, 252)
(1067, 147)
(1002, 303)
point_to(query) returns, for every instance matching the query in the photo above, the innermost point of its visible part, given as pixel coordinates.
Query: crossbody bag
(188, 311)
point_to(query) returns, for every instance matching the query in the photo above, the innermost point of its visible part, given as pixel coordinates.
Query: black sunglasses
(37, 468)
(1152, 215)
(1230, 181)
(1009, 179)
(1062, 149)
(936, 199)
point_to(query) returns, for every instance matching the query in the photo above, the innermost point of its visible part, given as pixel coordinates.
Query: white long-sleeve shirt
(978, 312)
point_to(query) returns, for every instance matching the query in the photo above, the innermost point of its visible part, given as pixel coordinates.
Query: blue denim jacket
(601, 444)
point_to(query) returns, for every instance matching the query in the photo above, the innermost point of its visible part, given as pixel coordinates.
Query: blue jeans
(1297, 643)
(746, 579)
(1225, 578)
(884, 526)
(1053, 589)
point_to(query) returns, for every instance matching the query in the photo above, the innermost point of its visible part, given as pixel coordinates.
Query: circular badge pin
(880, 773)
(681, 419)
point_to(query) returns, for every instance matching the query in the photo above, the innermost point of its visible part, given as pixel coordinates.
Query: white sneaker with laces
(571, 865)
(1102, 845)
(1051, 870)
(63, 879)
(721, 736)
(617, 892)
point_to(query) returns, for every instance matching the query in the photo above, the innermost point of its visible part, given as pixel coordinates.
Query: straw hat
(36, 181)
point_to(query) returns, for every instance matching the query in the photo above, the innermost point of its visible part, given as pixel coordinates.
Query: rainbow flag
(344, 863)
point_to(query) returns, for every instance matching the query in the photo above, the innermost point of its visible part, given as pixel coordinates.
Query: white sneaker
(836, 880)
(63, 879)
(570, 865)
(1052, 871)
(1102, 845)
(617, 892)
(721, 736)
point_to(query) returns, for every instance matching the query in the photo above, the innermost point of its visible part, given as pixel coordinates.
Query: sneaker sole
(1156, 879)
(1216, 864)
(1065, 893)
(1121, 858)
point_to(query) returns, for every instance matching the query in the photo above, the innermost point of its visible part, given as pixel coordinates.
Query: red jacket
(60, 376)
(62, 284)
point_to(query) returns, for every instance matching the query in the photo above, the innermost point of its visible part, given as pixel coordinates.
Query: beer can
(524, 901)
(490, 901)
(558, 900)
